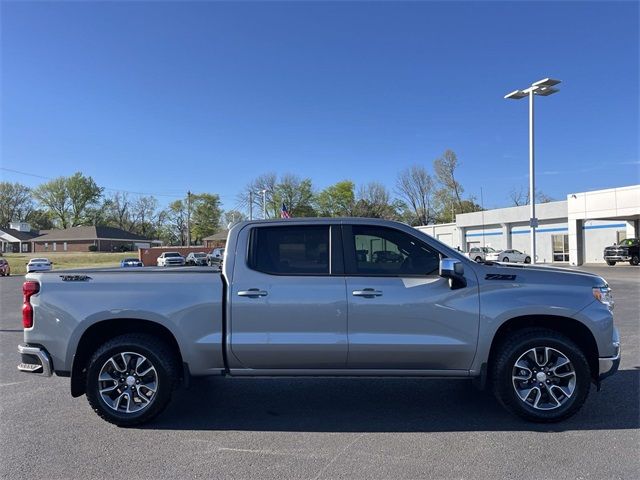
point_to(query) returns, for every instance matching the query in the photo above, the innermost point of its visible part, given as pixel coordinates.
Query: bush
(93, 248)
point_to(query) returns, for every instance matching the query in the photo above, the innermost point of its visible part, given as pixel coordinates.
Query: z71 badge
(75, 278)
(499, 276)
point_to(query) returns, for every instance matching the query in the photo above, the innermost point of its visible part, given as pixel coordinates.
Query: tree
(445, 168)
(15, 203)
(205, 216)
(232, 217)
(118, 211)
(266, 182)
(415, 186)
(40, 220)
(68, 198)
(296, 194)
(336, 200)
(521, 197)
(374, 201)
(175, 226)
(143, 216)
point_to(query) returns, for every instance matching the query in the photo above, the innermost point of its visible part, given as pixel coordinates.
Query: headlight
(603, 295)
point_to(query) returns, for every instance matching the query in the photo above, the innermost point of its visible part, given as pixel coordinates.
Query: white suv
(479, 254)
(169, 259)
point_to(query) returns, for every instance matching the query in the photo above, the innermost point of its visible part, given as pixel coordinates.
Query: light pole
(544, 88)
(264, 204)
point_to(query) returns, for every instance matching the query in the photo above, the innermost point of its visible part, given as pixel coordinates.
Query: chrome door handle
(367, 293)
(252, 293)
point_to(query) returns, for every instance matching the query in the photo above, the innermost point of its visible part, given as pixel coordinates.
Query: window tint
(290, 250)
(386, 251)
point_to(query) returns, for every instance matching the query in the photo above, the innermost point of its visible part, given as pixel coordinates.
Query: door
(288, 299)
(402, 315)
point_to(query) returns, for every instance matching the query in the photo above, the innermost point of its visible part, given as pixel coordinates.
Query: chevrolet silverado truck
(626, 251)
(298, 297)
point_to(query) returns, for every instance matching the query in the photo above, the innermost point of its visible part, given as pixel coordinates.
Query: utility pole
(264, 204)
(189, 218)
(250, 205)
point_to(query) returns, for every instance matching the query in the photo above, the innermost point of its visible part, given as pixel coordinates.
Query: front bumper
(35, 360)
(618, 258)
(607, 366)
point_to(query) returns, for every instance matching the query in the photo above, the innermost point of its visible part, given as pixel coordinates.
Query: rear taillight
(28, 290)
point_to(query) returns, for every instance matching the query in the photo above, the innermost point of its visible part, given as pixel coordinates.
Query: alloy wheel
(128, 382)
(544, 378)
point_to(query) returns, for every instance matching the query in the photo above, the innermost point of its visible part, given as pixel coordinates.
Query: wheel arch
(102, 331)
(575, 330)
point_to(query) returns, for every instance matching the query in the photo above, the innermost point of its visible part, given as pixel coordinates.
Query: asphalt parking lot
(321, 428)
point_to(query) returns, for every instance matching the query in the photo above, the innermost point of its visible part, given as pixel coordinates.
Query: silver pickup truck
(323, 297)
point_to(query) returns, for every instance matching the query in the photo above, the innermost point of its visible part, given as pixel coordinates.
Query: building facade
(572, 231)
(90, 238)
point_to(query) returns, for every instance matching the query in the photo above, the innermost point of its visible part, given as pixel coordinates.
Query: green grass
(62, 261)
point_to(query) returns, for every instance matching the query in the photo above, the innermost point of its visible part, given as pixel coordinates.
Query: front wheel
(634, 260)
(611, 263)
(505, 259)
(130, 379)
(478, 259)
(540, 375)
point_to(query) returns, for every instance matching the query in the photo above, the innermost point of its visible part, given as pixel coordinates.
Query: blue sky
(166, 97)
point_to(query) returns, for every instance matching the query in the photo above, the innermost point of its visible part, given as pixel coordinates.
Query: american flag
(284, 213)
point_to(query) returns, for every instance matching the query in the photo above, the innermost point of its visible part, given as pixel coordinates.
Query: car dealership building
(573, 231)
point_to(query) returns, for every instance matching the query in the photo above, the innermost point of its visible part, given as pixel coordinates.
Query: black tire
(478, 259)
(527, 260)
(634, 260)
(159, 354)
(505, 259)
(509, 352)
(611, 263)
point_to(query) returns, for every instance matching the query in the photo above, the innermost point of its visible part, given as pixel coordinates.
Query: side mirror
(453, 270)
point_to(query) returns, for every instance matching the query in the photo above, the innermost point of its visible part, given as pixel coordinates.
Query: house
(17, 238)
(216, 240)
(90, 238)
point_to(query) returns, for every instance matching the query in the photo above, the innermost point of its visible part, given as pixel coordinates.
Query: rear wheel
(611, 263)
(527, 260)
(634, 260)
(478, 259)
(130, 379)
(540, 375)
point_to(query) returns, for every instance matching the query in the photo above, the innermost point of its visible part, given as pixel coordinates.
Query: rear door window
(290, 250)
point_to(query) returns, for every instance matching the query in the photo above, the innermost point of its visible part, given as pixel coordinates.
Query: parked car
(196, 258)
(478, 254)
(168, 259)
(131, 262)
(39, 265)
(215, 257)
(5, 268)
(513, 256)
(296, 302)
(627, 250)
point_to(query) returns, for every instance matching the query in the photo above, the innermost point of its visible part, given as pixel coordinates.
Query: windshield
(199, 255)
(130, 260)
(34, 260)
(627, 243)
(488, 250)
(172, 254)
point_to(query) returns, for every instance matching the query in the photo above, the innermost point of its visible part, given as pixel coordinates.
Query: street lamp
(544, 88)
